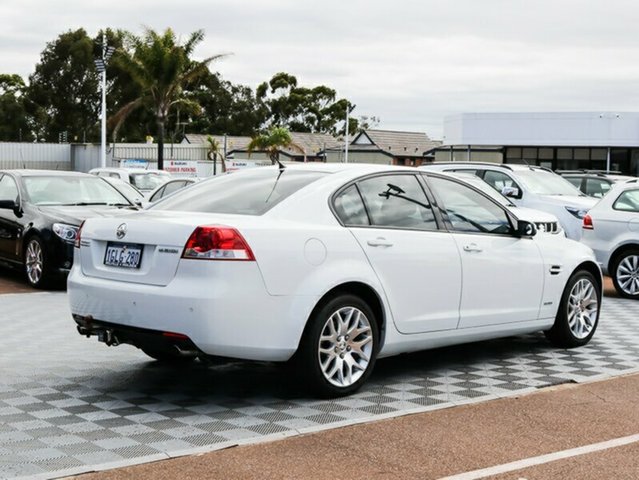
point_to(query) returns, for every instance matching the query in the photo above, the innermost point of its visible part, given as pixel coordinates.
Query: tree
(226, 107)
(163, 69)
(214, 151)
(13, 117)
(63, 94)
(301, 109)
(272, 141)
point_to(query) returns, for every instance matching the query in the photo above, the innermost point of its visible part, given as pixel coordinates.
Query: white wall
(593, 129)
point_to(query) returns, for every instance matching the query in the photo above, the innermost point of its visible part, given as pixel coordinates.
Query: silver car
(611, 229)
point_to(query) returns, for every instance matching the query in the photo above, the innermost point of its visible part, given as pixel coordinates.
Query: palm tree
(272, 142)
(214, 152)
(162, 68)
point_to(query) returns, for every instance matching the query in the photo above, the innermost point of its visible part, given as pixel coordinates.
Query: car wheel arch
(592, 268)
(362, 290)
(618, 252)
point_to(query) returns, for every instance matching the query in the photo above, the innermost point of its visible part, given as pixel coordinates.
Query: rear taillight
(587, 223)
(216, 242)
(78, 235)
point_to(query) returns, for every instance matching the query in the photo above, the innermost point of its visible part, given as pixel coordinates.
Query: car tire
(625, 274)
(578, 314)
(167, 356)
(36, 265)
(339, 346)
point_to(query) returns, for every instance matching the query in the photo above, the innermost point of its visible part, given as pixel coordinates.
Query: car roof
(42, 173)
(125, 170)
(498, 166)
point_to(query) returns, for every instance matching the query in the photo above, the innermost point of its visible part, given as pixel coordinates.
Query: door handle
(380, 242)
(472, 247)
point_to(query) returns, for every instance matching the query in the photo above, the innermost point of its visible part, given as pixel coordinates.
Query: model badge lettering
(168, 250)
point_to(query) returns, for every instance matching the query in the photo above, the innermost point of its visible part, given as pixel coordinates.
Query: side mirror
(8, 204)
(526, 229)
(511, 192)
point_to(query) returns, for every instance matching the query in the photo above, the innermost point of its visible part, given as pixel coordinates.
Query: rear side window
(397, 201)
(597, 187)
(252, 192)
(350, 208)
(628, 201)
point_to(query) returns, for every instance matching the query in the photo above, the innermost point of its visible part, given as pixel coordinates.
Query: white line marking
(541, 459)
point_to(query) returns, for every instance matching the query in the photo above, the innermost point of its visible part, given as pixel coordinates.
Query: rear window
(252, 192)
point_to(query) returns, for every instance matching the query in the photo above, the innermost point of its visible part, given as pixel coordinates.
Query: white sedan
(330, 266)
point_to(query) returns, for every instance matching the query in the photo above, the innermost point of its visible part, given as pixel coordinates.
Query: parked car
(531, 187)
(330, 265)
(127, 189)
(545, 222)
(144, 180)
(594, 183)
(611, 229)
(40, 213)
(169, 187)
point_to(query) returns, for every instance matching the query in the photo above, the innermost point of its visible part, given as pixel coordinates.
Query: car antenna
(281, 165)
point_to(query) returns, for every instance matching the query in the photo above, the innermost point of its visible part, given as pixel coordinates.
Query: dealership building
(559, 140)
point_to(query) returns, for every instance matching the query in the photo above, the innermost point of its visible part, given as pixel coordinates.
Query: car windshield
(71, 190)
(542, 182)
(148, 180)
(251, 192)
(126, 189)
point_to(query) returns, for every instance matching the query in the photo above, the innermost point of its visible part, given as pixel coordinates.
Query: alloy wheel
(583, 308)
(628, 275)
(345, 346)
(34, 262)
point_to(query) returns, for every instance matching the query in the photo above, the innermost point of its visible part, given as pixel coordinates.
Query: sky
(408, 62)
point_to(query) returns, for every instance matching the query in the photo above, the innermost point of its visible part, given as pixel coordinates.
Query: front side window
(468, 210)
(499, 180)
(397, 201)
(628, 201)
(8, 189)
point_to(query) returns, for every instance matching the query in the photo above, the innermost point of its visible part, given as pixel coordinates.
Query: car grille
(548, 227)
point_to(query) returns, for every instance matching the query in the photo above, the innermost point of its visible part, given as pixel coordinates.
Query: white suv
(530, 187)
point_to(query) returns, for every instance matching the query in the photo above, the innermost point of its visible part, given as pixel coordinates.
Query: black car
(40, 213)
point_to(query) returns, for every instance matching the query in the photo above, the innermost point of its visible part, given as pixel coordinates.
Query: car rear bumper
(228, 314)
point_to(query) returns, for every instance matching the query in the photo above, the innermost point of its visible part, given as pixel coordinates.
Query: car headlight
(65, 232)
(579, 213)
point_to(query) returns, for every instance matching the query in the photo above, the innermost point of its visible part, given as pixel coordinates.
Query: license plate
(125, 255)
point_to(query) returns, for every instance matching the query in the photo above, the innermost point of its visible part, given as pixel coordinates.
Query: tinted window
(397, 201)
(252, 192)
(576, 181)
(8, 189)
(468, 210)
(628, 201)
(349, 207)
(597, 187)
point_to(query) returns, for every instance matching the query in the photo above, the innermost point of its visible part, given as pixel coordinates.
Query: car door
(10, 227)
(417, 263)
(503, 274)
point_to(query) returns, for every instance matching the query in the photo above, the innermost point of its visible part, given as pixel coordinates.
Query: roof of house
(395, 143)
(311, 143)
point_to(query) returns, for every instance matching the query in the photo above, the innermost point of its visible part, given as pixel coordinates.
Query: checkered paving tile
(68, 404)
